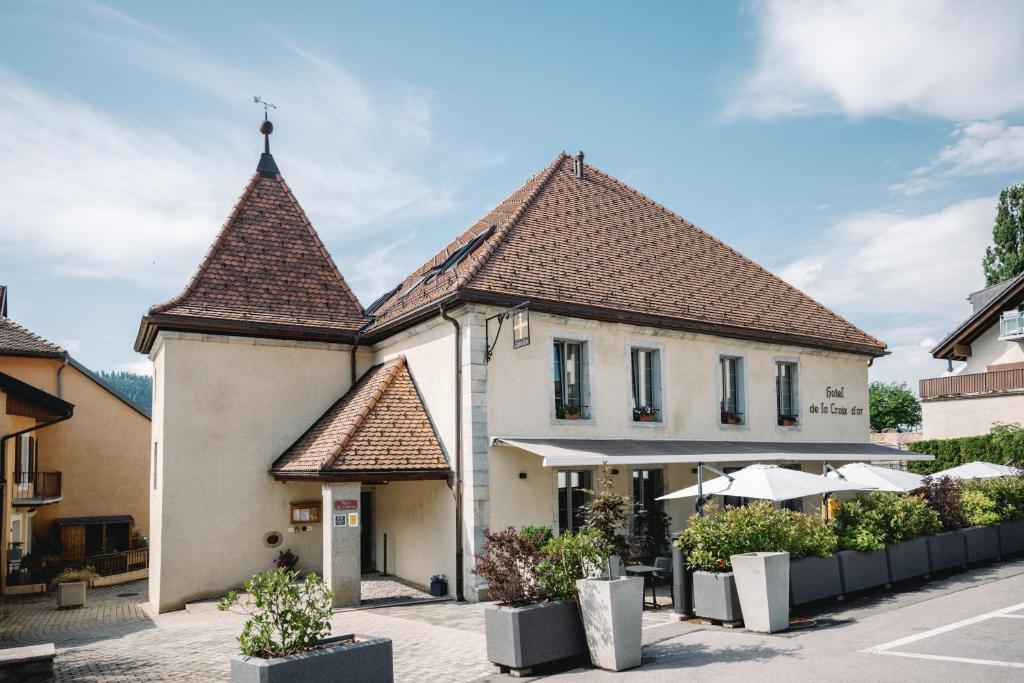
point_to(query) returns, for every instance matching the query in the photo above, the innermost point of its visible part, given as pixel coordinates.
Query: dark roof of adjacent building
(380, 426)
(988, 305)
(16, 340)
(594, 247)
(267, 274)
(25, 399)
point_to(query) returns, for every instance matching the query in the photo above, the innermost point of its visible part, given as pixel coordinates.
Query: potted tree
(611, 606)
(71, 586)
(568, 412)
(535, 620)
(946, 549)
(645, 414)
(287, 635)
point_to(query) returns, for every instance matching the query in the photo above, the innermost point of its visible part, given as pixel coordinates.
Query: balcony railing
(1011, 325)
(35, 487)
(107, 564)
(968, 385)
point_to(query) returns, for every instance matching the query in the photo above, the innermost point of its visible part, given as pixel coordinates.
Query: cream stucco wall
(228, 407)
(101, 452)
(970, 416)
(419, 520)
(988, 349)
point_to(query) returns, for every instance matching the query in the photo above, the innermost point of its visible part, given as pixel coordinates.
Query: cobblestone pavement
(116, 638)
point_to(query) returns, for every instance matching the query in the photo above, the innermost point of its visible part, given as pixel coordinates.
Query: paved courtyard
(969, 626)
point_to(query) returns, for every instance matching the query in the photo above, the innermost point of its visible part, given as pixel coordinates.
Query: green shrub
(711, 540)
(1003, 443)
(1007, 494)
(86, 574)
(979, 508)
(285, 616)
(568, 557)
(874, 520)
(537, 534)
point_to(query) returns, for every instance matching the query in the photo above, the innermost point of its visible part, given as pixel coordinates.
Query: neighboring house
(989, 389)
(482, 392)
(75, 463)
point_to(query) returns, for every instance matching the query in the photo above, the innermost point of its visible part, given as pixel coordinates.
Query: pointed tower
(258, 345)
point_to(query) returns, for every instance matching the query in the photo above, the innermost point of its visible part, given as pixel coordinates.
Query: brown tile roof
(600, 244)
(379, 425)
(16, 340)
(266, 270)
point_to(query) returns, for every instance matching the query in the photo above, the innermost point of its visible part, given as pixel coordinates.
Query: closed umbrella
(879, 478)
(978, 470)
(767, 482)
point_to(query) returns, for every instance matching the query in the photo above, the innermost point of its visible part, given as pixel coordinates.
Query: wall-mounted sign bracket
(520, 316)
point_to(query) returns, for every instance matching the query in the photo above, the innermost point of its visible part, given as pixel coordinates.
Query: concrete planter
(815, 578)
(71, 594)
(715, 596)
(982, 543)
(908, 559)
(863, 570)
(366, 661)
(1011, 537)
(524, 637)
(762, 581)
(946, 550)
(612, 615)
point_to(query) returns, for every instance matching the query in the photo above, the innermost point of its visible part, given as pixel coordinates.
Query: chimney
(578, 165)
(3, 301)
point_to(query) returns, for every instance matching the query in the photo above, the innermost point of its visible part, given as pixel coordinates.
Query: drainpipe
(459, 588)
(60, 377)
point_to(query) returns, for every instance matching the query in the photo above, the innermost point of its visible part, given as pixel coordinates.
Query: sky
(856, 149)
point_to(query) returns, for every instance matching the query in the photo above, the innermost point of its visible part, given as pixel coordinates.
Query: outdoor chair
(663, 575)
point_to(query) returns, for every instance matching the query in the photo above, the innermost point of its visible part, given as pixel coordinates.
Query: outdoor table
(647, 571)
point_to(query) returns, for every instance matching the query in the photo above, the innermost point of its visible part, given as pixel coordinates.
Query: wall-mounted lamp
(615, 470)
(522, 475)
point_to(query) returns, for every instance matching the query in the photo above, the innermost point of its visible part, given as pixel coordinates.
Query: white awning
(584, 452)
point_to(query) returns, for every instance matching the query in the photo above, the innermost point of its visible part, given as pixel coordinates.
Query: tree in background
(1005, 258)
(136, 388)
(892, 406)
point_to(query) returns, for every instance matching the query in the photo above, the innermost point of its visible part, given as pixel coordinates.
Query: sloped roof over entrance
(379, 428)
(595, 247)
(267, 273)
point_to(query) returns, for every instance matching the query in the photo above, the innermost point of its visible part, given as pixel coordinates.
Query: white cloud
(902, 277)
(956, 60)
(139, 367)
(90, 194)
(979, 148)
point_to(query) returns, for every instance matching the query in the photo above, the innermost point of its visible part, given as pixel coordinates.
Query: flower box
(815, 578)
(612, 612)
(340, 659)
(982, 543)
(908, 559)
(863, 570)
(762, 581)
(524, 637)
(715, 596)
(946, 550)
(71, 594)
(439, 587)
(1011, 537)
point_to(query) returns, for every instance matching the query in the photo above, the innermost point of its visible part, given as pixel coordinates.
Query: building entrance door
(369, 563)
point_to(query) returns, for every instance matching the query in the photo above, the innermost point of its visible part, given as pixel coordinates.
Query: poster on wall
(353, 519)
(341, 520)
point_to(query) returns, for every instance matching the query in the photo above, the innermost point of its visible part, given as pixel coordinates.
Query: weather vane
(266, 105)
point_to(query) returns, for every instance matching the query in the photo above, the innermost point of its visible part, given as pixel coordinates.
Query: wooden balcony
(36, 488)
(972, 385)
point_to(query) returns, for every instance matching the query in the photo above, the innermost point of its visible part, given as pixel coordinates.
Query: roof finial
(267, 167)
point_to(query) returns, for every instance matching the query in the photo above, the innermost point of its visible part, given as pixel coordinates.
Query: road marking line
(943, 658)
(661, 623)
(1010, 616)
(943, 629)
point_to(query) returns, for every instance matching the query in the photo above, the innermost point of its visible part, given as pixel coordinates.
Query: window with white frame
(646, 381)
(570, 388)
(732, 400)
(572, 494)
(786, 397)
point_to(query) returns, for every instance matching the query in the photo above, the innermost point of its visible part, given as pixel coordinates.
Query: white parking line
(887, 648)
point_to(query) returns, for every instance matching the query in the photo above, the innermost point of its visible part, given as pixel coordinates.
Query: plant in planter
(71, 586)
(286, 560)
(568, 412)
(645, 414)
(651, 531)
(1007, 494)
(522, 571)
(947, 549)
(439, 585)
(286, 635)
(787, 420)
(731, 418)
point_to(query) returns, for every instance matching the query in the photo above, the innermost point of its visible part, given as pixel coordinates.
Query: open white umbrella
(768, 482)
(978, 470)
(879, 478)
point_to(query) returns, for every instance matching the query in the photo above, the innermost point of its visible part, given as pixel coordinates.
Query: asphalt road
(966, 627)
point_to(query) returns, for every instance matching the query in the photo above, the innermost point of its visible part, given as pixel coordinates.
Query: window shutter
(17, 459)
(31, 456)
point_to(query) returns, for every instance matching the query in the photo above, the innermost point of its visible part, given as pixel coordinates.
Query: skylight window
(453, 260)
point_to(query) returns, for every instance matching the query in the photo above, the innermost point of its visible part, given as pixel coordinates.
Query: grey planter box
(815, 578)
(946, 550)
(860, 570)
(71, 594)
(523, 637)
(367, 660)
(982, 543)
(908, 559)
(1011, 537)
(715, 596)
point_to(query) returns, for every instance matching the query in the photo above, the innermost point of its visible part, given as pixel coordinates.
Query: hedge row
(1002, 444)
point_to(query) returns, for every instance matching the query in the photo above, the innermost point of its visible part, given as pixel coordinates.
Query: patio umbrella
(978, 470)
(768, 482)
(879, 478)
